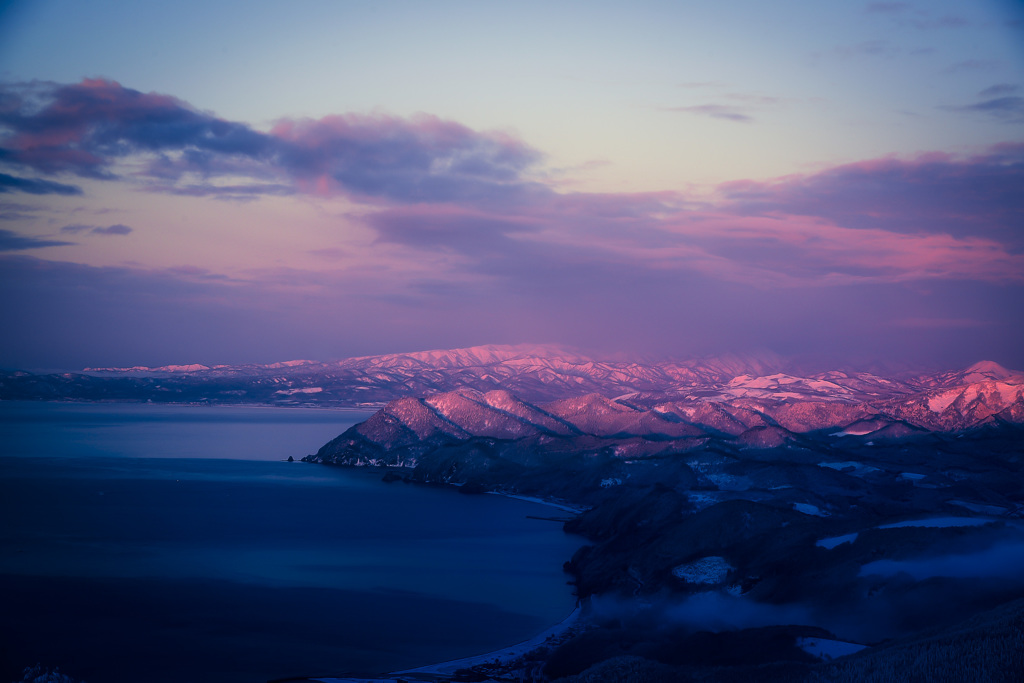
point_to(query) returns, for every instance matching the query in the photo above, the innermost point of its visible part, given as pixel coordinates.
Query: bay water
(175, 543)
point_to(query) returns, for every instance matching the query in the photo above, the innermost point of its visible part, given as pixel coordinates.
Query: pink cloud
(436, 185)
(931, 193)
(89, 127)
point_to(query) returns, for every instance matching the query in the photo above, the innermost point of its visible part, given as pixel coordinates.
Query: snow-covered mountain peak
(142, 369)
(473, 356)
(982, 371)
(988, 369)
(286, 364)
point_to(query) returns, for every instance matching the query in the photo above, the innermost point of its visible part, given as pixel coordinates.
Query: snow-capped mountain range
(409, 427)
(717, 393)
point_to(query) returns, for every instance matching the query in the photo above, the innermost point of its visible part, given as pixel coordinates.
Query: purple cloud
(880, 221)
(448, 227)
(1009, 108)
(999, 90)
(935, 193)
(12, 241)
(116, 229)
(83, 128)
(421, 159)
(716, 111)
(237, 193)
(86, 128)
(9, 183)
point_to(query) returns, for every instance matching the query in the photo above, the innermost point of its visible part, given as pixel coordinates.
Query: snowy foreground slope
(750, 532)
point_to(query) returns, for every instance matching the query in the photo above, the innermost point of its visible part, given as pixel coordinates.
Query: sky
(251, 182)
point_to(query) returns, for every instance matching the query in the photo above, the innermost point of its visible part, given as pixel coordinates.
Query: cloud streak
(9, 183)
(977, 196)
(716, 111)
(12, 241)
(1009, 108)
(116, 229)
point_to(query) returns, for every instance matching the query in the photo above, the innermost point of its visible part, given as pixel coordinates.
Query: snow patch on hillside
(937, 522)
(808, 509)
(826, 649)
(708, 571)
(835, 541)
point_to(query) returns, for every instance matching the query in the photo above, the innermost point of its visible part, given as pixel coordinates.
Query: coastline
(443, 671)
(196, 404)
(504, 656)
(565, 507)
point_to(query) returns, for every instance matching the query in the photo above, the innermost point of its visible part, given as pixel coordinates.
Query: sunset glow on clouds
(165, 232)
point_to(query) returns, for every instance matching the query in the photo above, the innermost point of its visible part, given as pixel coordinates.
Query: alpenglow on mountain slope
(533, 373)
(495, 439)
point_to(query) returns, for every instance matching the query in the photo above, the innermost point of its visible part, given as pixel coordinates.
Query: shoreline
(564, 507)
(444, 671)
(503, 656)
(195, 404)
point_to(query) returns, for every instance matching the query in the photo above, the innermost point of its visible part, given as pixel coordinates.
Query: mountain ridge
(593, 422)
(535, 373)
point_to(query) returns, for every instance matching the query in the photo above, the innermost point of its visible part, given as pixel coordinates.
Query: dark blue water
(122, 561)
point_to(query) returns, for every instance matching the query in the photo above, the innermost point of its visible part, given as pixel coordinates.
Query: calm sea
(175, 544)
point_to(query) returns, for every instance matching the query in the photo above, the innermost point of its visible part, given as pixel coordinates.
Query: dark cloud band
(12, 241)
(9, 183)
